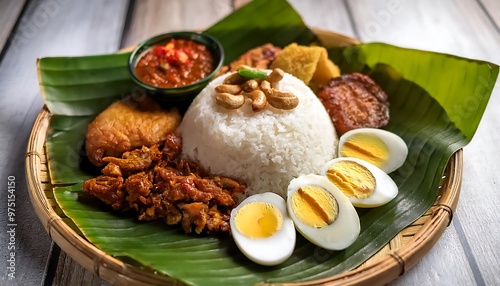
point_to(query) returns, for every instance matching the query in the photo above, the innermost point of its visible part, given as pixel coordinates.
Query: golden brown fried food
(163, 186)
(308, 63)
(355, 101)
(126, 125)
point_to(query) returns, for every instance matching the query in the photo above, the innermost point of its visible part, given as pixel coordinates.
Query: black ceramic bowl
(182, 93)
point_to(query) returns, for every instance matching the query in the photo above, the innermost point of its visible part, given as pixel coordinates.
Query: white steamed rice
(266, 149)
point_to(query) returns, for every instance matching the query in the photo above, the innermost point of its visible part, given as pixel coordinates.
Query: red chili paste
(178, 63)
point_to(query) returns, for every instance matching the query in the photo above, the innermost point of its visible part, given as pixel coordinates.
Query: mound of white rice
(266, 149)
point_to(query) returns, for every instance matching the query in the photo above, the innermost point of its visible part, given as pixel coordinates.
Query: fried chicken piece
(355, 101)
(260, 57)
(201, 217)
(165, 173)
(183, 188)
(108, 190)
(194, 213)
(217, 221)
(173, 147)
(138, 187)
(158, 185)
(172, 214)
(133, 161)
(156, 154)
(156, 206)
(112, 170)
(234, 187)
(220, 197)
(186, 168)
(126, 125)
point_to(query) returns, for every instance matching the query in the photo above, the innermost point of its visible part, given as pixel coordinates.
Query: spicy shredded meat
(157, 184)
(355, 101)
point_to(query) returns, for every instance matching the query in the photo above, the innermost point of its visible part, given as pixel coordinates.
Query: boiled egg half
(262, 229)
(322, 213)
(364, 184)
(381, 148)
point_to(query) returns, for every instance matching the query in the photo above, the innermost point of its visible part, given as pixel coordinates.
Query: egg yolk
(314, 206)
(368, 147)
(258, 220)
(353, 179)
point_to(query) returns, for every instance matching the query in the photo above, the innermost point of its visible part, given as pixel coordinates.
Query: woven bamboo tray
(392, 261)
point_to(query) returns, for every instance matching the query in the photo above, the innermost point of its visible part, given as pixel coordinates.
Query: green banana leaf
(436, 103)
(65, 150)
(80, 86)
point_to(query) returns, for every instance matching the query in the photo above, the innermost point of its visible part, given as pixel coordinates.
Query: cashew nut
(230, 101)
(231, 94)
(265, 86)
(276, 75)
(228, 88)
(258, 98)
(234, 78)
(283, 100)
(250, 85)
(277, 93)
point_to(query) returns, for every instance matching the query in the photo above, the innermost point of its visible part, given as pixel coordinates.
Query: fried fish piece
(126, 125)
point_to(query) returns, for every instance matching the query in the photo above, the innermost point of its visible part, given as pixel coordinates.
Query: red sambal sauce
(178, 63)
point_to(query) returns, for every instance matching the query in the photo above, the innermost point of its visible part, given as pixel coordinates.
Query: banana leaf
(436, 103)
(83, 86)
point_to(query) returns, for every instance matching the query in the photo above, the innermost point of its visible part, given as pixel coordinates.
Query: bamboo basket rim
(376, 271)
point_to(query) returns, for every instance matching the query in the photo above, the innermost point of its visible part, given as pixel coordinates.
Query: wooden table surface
(468, 252)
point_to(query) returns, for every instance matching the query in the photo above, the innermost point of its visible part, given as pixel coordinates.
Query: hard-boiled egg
(364, 184)
(322, 213)
(262, 229)
(381, 148)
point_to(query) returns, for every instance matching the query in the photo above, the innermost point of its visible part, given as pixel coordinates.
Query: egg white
(336, 236)
(398, 150)
(385, 188)
(272, 250)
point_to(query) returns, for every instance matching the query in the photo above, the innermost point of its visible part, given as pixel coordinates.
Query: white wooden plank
(8, 17)
(146, 21)
(432, 269)
(479, 205)
(329, 15)
(443, 26)
(460, 28)
(492, 7)
(47, 28)
(151, 17)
